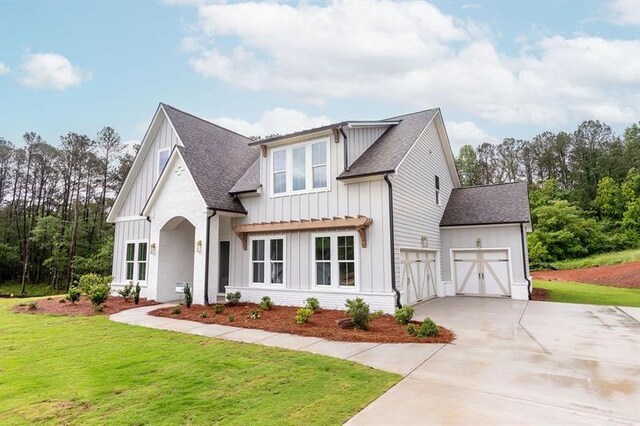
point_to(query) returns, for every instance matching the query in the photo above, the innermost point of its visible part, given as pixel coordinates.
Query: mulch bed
(540, 294)
(54, 306)
(280, 319)
(625, 275)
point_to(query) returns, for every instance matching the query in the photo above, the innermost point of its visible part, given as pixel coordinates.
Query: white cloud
(412, 53)
(51, 71)
(466, 133)
(3, 68)
(625, 12)
(277, 120)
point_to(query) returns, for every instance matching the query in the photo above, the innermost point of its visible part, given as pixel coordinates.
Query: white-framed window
(136, 261)
(163, 157)
(300, 168)
(268, 263)
(335, 261)
(437, 185)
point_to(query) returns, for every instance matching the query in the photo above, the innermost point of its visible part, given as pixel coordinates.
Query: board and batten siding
(364, 198)
(360, 139)
(415, 211)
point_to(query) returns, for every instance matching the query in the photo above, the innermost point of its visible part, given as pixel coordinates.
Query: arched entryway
(175, 257)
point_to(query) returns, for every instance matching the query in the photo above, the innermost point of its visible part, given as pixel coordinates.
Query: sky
(497, 69)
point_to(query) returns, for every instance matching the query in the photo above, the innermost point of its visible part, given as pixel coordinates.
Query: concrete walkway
(400, 358)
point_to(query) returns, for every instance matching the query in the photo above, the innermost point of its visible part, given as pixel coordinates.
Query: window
(163, 157)
(334, 261)
(437, 190)
(302, 167)
(271, 269)
(136, 261)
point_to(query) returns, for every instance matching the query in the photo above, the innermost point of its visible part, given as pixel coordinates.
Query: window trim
(436, 184)
(160, 170)
(267, 261)
(288, 149)
(136, 262)
(335, 271)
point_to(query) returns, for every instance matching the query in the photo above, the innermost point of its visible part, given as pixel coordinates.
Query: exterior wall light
(424, 240)
(199, 246)
(478, 242)
(152, 248)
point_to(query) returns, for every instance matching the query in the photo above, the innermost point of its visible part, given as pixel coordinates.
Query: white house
(358, 208)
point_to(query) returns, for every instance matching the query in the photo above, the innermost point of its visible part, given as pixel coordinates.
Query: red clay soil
(280, 319)
(54, 306)
(539, 294)
(622, 275)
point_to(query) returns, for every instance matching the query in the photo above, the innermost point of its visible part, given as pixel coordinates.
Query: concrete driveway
(518, 362)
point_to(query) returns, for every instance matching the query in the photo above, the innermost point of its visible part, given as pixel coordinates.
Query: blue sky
(497, 69)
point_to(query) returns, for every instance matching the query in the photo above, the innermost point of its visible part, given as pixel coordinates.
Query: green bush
(312, 303)
(89, 280)
(428, 329)
(255, 314)
(411, 330)
(266, 303)
(188, 296)
(303, 315)
(127, 291)
(74, 294)
(230, 318)
(218, 309)
(358, 311)
(203, 314)
(99, 292)
(377, 314)
(404, 315)
(99, 307)
(136, 294)
(234, 298)
(177, 310)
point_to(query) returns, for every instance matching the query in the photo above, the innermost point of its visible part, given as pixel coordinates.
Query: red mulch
(52, 305)
(622, 275)
(540, 294)
(280, 319)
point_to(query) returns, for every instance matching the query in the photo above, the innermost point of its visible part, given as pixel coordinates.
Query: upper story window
(300, 168)
(163, 157)
(437, 190)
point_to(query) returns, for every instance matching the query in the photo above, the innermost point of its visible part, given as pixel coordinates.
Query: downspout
(524, 260)
(392, 242)
(206, 258)
(346, 149)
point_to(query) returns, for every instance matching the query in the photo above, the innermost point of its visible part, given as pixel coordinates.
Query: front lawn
(572, 292)
(612, 258)
(89, 370)
(33, 290)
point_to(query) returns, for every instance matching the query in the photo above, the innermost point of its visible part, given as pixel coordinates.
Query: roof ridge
(203, 120)
(411, 113)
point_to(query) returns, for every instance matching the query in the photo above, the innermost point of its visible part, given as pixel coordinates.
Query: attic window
(437, 190)
(163, 157)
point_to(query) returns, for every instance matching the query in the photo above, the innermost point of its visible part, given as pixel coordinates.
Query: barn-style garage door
(418, 274)
(482, 272)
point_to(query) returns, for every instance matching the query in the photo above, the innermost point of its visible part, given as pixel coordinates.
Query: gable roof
(216, 157)
(387, 152)
(487, 205)
(249, 181)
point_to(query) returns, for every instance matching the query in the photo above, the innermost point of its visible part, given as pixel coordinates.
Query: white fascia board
(448, 152)
(361, 124)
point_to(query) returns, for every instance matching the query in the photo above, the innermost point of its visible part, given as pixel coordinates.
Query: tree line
(53, 205)
(584, 186)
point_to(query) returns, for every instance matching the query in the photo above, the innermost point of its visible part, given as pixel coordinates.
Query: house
(370, 209)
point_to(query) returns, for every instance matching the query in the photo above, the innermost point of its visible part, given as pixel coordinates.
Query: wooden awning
(359, 223)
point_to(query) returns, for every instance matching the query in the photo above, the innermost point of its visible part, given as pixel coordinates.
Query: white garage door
(482, 272)
(418, 274)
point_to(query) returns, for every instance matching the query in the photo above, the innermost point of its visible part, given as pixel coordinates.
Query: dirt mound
(625, 275)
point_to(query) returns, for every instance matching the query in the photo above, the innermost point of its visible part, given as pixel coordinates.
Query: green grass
(33, 290)
(89, 370)
(572, 292)
(600, 260)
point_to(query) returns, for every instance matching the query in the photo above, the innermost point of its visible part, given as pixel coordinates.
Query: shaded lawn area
(600, 260)
(33, 290)
(89, 370)
(572, 292)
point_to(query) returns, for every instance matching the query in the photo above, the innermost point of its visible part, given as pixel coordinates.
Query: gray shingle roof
(484, 205)
(387, 152)
(216, 157)
(250, 181)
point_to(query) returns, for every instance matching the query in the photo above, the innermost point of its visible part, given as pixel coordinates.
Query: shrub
(177, 310)
(74, 294)
(188, 296)
(358, 311)
(99, 307)
(303, 315)
(230, 318)
(312, 303)
(33, 306)
(89, 280)
(411, 330)
(136, 294)
(127, 291)
(266, 303)
(377, 314)
(99, 292)
(255, 314)
(234, 298)
(428, 328)
(218, 309)
(203, 314)
(404, 315)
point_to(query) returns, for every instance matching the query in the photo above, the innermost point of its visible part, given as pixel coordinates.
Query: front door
(223, 279)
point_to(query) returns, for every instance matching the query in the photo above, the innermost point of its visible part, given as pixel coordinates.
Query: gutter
(206, 258)
(524, 260)
(392, 242)
(346, 149)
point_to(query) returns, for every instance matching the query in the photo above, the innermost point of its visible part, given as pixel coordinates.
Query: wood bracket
(263, 149)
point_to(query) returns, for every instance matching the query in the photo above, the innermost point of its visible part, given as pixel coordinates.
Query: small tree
(358, 310)
(136, 294)
(188, 297)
